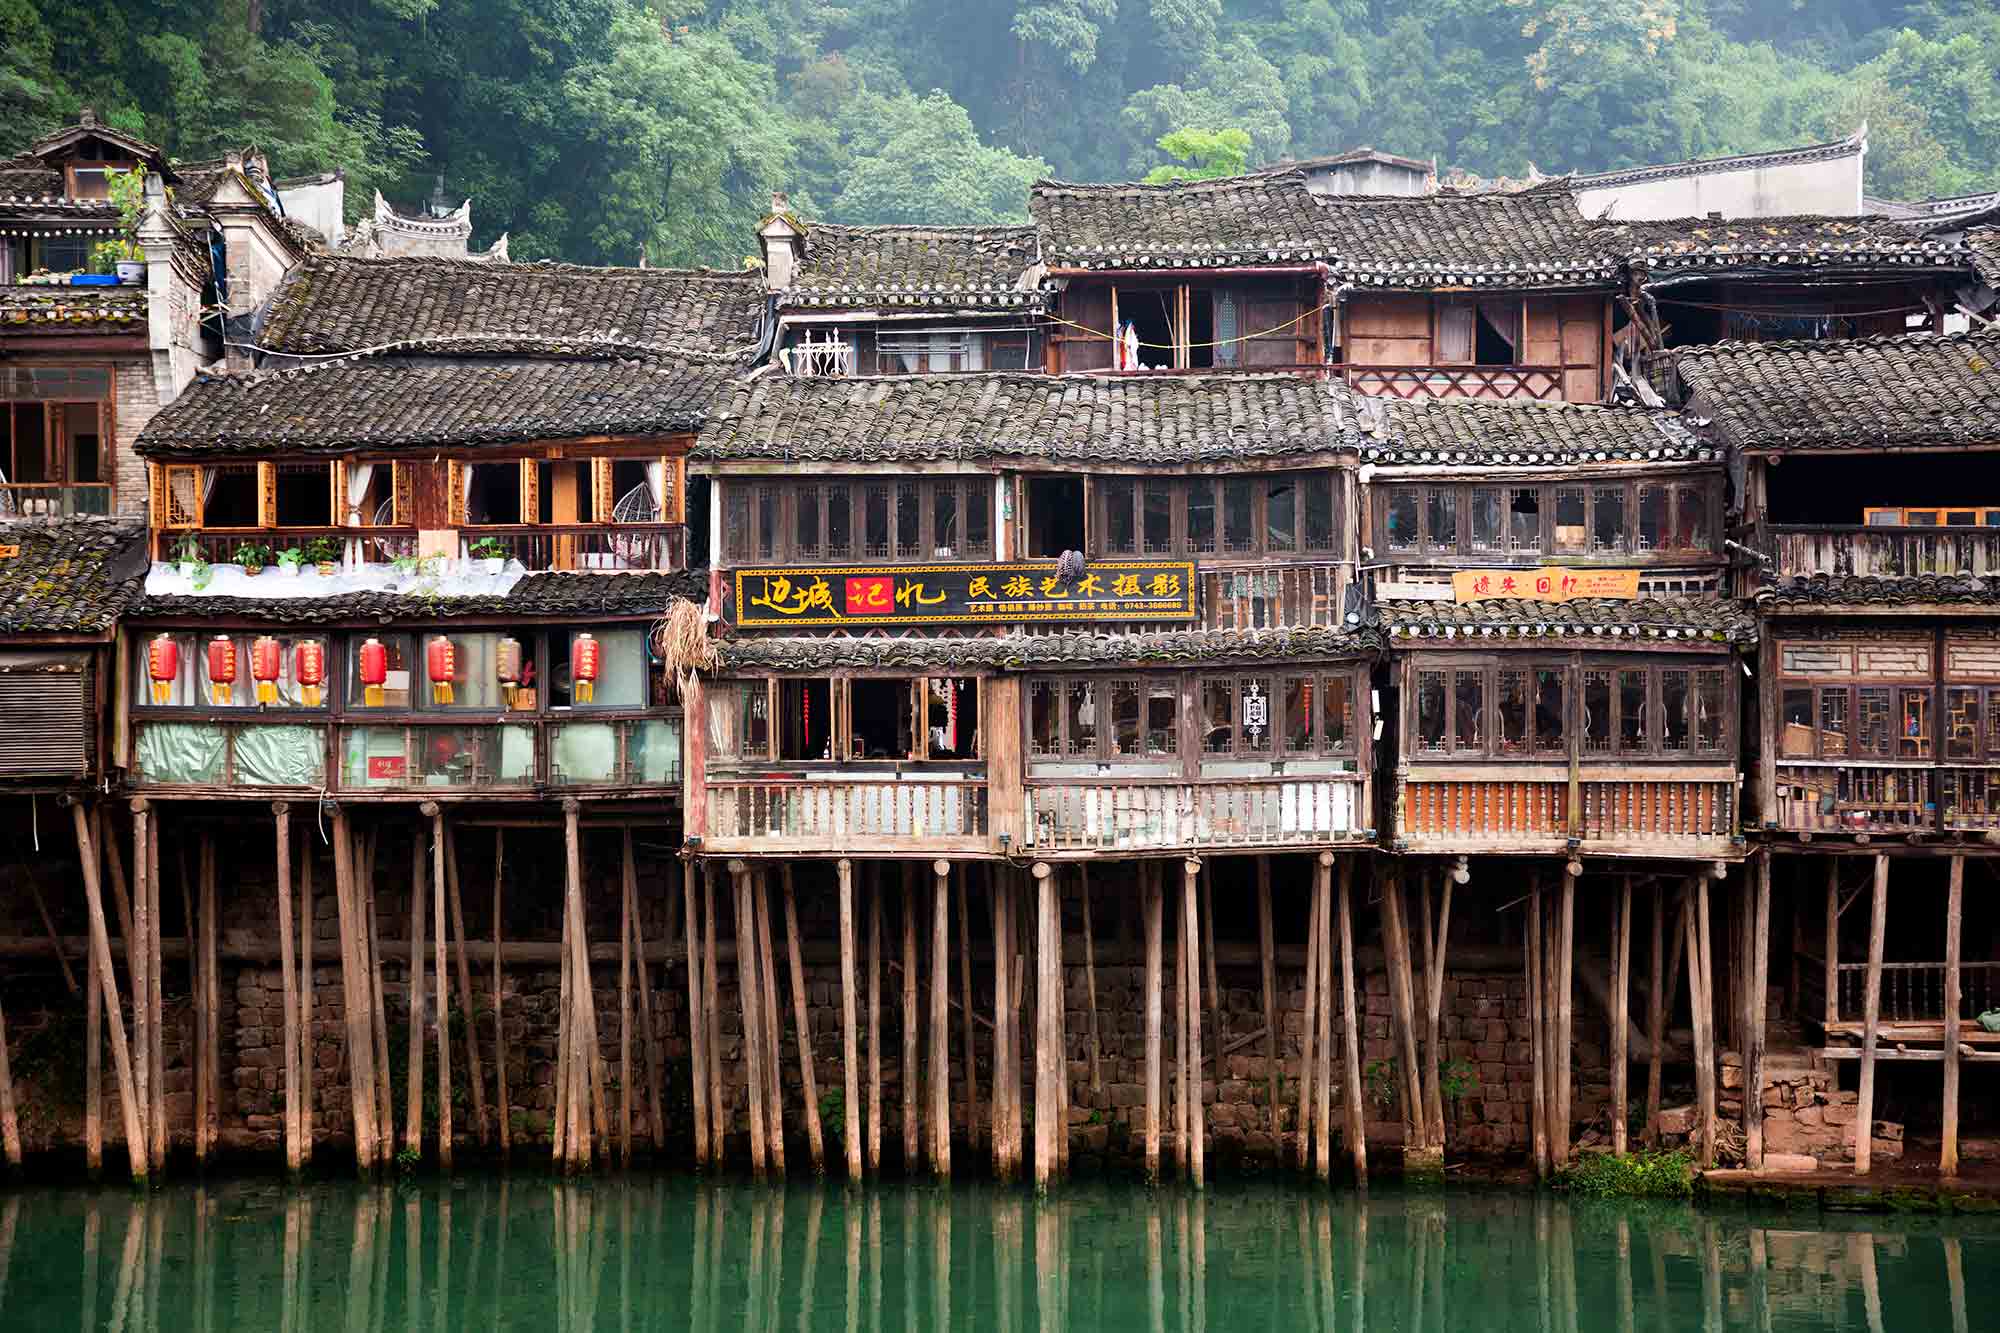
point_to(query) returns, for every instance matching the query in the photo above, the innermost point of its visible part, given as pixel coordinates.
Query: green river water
(642, 1253)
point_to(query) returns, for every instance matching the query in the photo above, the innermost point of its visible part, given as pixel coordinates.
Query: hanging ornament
(221, 668)
(583, 661)
(374, 671)
(441, 663)
(507, 668)
(309, 670)
(951, 688)
(265, 657)
(163, 664)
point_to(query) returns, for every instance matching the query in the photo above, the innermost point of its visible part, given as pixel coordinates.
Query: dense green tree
(919, 159)
(1201, 155)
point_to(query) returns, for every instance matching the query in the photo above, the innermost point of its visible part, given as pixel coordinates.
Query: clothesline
(1215, 342)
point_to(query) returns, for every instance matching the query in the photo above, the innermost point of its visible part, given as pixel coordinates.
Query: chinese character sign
(957, 594)
(1543, 585)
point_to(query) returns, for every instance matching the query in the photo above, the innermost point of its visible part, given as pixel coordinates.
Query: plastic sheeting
(181, 752)
(280, 756)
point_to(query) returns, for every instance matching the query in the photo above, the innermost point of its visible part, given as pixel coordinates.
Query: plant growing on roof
(122, 254)
(491, 551)
(253, 556)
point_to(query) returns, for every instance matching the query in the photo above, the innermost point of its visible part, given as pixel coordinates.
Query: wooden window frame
(1181, 491)
(974, 492)
(840, 702)
(1459, 545)
(1574, 670)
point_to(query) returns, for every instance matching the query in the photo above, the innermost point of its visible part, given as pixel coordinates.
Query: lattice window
(404, 508)
(454, 502)
(181, 495)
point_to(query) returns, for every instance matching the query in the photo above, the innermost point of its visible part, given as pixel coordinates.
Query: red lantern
(221, 667)
(374, 671)
(583, 661)
(507, 667)
(163, 665)
(309, 669)
(441, 662)
(265, 655)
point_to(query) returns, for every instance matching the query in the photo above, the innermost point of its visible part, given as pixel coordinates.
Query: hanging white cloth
(656, 482)
(358, 477)
(1128, 347)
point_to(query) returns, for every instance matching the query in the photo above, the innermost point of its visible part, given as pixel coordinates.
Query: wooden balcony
(1912, 1010)
(1538, 382)
(1893, 552)
(846, 814)
(55, 500)
(617, 547)
(1629, 813)
(1167, 815)
(1828, 797)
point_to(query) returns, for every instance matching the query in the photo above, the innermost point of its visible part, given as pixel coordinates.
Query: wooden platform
(1912, 1041)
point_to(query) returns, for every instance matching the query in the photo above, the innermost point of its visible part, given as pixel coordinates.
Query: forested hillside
(595, 130)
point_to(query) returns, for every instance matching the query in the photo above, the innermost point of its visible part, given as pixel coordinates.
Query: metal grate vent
(44, 723)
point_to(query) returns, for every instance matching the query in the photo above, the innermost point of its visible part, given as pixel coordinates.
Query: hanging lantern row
(441, 663)
(163, 666)
(221, 668)
(374, 672)
(584, 656)
(265, 658)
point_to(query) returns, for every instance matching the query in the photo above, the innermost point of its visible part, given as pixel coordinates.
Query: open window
(304, 495)
(805, 719)
(1055, 515)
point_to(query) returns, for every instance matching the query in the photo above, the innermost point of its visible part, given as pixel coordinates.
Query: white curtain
(656, 482)
(465, 490)
(358, 477)
(1454, 334)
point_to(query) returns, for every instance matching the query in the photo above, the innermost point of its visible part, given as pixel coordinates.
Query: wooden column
(282, 812)
(1832, 1011)
(355, 1001)
(649, 1027)
(1191, 948)
(156, 1116)
(1309, 1038)
(1048, 1059)
(107, 980)
(1564, 969)
(1396, 948)
(1756, 984)
(1350, 1074)
(1322, 1073)
(711, 1006)
(500, 1103)
(1621, 1014)
(1089, 983)
(1437, 936)
(378, 1014)
(1954, 914)
(850, 1062)
(1006, 1030)
(802, 1023)
(441, 979)
(625, 1079)
(965, 1011)
(940, 1030)
(873, 1141)
(475, 1072)
(1538, 1117)
(208, 1130)
(1871, 1020)
(1656, 1015)
(1267, 957)
(767, 984)
(1701, 1004)
(307, 1046)
(93, 1070)
(707, 1118)
(912, 1076)
(1155, 972)
(753, 1012)
(138, 963)
(10, 1123)
(413, 1091)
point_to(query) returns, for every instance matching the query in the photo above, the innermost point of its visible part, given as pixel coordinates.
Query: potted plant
(122, 255)
(324, 555)
(253, 556)
(289, 561)
(186, 555)
(489, 552)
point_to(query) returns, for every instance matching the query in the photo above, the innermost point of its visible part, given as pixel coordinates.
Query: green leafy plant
(1656, 1174)
(833, 1113)
(322, 550)
(127, 191)
(404, 564)
(1380, 1079)
(1457, 1079)
(488, 548)
(408, 1159)
(253, 556)
(186, 551)
(291, 558)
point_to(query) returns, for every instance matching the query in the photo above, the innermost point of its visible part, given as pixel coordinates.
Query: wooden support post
(625, 1001)
(308, 1048)
(1621, 1014)
(441, 979)
(587, 1118)
(940, 1030)
(912, 1078)
(1755, 986)
(1350, 1074)
(138, 961)
(1322, 1071)
(475, 1071)
(753, 1011)
(1698, 1001)
(1871, 1020)
(1538, 1117)
(965, 1010)
(1564, 969)
(767, 984)
(1436, 946)
(1191, 1071)
(413, 1090)
(1152, 909)
(355, 1003)
(649, 1028)
(500, 1104)
(1089, 984)
(1267, 957)
(205, 995)
(156, 1117)
(1656, 1016)
(107, 981)
(93, 1070)
(802, 1024)
(282, 812)
(850, 1062)
(378, 1013)
(1003, 1015)
(1396, 949)
(1170, 891)
(711, 1004)
(1048, 1102)
(873, 1141)
(1217, 1019)
(1309, 1038)
(565, 1086)
(10, 1123)
(707, 1118)
(1954, 917)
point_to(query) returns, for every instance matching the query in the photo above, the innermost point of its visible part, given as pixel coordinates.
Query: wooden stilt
(718, 1126)
(850, 1061)
(802, 1024)
(1756, 985)
(1191, 933)
(972, 1118)
(939, 1070)
(1871, 1021)
(912, 1078)
(1954, 917)
(1150, 893)
(1170, 891)
(767, 983)
(195, 890)
(1309, 1037)
(1565, 966)
(625, 1003)
(707, 1118)
(565, 1087)
(294, 1129)
(378, 1012)
(587, 1122)
(93, 1072)
(1267, 957)
(475, 1070)
(1357, 1136)
(107, 982)
(1089, 985)
(10, 1123)
(1047, 1057)
(1698, 1001)
(138, 962)
(441, 979)
(874, 1136)
(501, 1107)
(1656, 1016)
(1006, 1050)
(156, 1118)
(1832, 1011)
(1436, 946)
(355, 1002)
(1396, 948)
(649, 1034)
(211, 984)
(1621, 1014)
(413, 1090)
(1217, 1019)
(1538, 1118)
(1322, 1070)
(753, 1013)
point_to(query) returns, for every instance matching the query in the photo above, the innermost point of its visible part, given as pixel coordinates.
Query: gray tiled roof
(1169, 419)
(946, 267)
(552, 594)
(1803, 242)
(1501, 239)
(1475, 432)
(1028, 652)
(1985, 243)
(412, 404)
(1809, 592)
(48, 309)
(1913, 391)
(461, 307)
(1595, 622)
(73, 576)
(1235, 222)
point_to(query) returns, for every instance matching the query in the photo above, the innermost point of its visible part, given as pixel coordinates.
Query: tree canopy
(604, 130)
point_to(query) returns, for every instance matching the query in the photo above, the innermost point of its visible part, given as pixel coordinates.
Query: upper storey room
(902, 300)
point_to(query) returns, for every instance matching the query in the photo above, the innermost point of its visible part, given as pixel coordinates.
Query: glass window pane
(1441, 518)
(1126, 736)
(1238, 536)
(1080, 717)
(1120, 537)
(1159, 518)
(1551, 721)
(1486, 526)
(1872, 735)
(1337, 713)
(1400, 524)
(1632, 719)
(756, 704)
(978, 518)
(1469, 712)
(875, 522)
(1430, 712)
(1319, 511)
(1597, 712)
(1914, 736)
(1709, 719)
(583, 752)
(767, 522)
(1256, 708)
(473, 682)
(1691, 526)
(1833, 723)
(1201, 517)
(622, 660)
(1218, 716)
(1163, 713)
(909, 521)
(1796, 704)
(1044, 726)
(1652, 517)
(394, 689)
(1524, 518)
(944, 520)
(736, 541)
(1281, 532)
(1513, 707)
(1607, 519)
(374, 757)
(805, 522)
(1299, 705)
(839, 522)
(1677, 731)
(1572, 532)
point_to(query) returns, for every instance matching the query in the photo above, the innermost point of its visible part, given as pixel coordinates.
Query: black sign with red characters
(957, 594)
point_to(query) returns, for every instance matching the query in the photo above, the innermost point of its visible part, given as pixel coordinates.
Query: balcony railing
(1855, 798)
(55, 499)
(1894, 552)
(1914, 992)
(826, 814)
(1164, 815)
(614, 547)
(1540, 382)
(1637, 813)
(1271, 596)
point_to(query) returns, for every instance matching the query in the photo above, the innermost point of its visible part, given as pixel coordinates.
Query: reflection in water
(635, 1254)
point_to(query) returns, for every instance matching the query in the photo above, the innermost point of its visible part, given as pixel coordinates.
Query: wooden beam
(1701, 998)
(1756, 984)
(1436, 945)
(1565, 1018)
(1357, 1136)
(107, 981)
(767, 981)
(1266, 957)
(1048, 999)
(10, 1122)
(1191, 946)
(939, 1065)
(873, 1142)
(706, 1117)
(354, 998)
(138, 961)
(649, 1029)
(378, 1014)
(1538, 1117)
(413, 1090)
(802, 1021)
(711, 1007)
(475, 1071)
(752, 1010)
(294, 1129)
(1322, 1071)
(1864, 1110)
(1656, 1016)
(965, 1009)
(1154, 973)
(1621, 997)
(1832, 947)
(209, 1130)
(850, 1063)
(1954, 916)
(1309, 1037)
(501, 1106)
(625, 878)
(441, 979)
(910, 1070)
